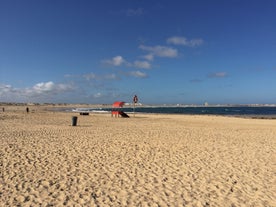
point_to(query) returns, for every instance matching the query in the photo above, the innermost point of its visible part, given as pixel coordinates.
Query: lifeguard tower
(117, 110)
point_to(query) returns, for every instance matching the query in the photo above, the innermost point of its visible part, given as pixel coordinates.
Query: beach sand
(146, 160)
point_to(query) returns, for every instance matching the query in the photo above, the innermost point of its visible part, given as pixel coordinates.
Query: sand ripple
(150, 160)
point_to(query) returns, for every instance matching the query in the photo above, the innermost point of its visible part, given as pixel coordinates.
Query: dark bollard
(74, 120)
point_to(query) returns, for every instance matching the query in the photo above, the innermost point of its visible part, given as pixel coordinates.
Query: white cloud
(49, 87)
(137, 74)
(119, 61)
(148, 57)
(65, 87)
(115, 61)
(35, 93)
(142, 64)
(160, 51)
(43, 87)
(177, 40)
(5, 88)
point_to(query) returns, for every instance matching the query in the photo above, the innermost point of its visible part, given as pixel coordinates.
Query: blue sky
(166, 52)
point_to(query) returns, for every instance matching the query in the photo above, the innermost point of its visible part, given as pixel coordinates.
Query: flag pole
(134, 109)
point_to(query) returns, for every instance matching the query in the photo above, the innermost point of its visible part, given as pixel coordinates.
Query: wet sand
(146, 160)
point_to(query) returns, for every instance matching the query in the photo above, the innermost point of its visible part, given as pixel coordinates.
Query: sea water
(228, 111)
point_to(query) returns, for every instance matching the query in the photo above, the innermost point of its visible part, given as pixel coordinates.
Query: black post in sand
(74, 120)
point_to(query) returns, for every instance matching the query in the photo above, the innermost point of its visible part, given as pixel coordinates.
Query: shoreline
(138, 104)
(61, 108)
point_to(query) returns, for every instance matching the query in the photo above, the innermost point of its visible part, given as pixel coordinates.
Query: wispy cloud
(93, 76)
(142, 64)
(196, 80)
(218, 75)
(135, 12)
(90, 76)
(111, 76)
(177, 40)
(160, 51)
(148, 57)
(97, 95)
(137, 74)
(4, 88)
(120, 61)
(115, 61)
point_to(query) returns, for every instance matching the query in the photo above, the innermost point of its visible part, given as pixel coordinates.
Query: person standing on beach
(27, 109)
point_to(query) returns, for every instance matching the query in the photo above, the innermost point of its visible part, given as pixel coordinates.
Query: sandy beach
(146, 160)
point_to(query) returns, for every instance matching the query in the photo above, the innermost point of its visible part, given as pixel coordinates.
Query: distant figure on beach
(135, 99)
(3, 109)
(27, 109)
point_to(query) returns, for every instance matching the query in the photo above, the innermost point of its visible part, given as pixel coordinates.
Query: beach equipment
(118, 104)
(117, 109)
(84, 113)
(74, 120)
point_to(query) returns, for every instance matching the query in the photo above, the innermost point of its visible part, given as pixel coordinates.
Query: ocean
(258, 112)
